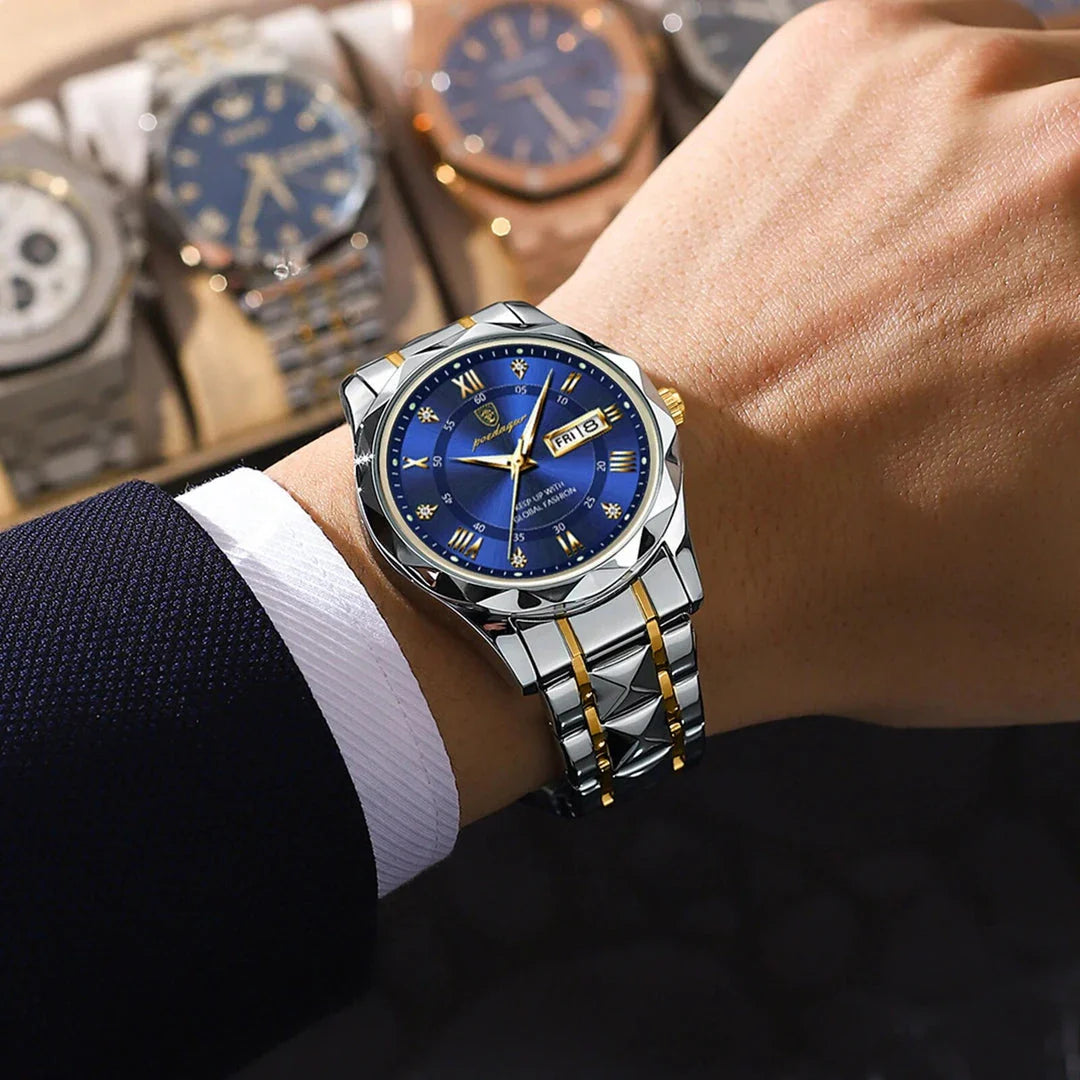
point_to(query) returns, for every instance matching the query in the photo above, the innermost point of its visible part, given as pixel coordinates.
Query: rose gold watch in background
(541, 116)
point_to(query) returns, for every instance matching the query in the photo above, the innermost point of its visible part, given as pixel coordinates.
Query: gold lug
(675, 404)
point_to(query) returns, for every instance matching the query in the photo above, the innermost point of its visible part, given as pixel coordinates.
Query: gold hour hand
(497, 461)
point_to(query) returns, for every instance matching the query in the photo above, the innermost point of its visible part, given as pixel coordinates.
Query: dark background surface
(819, 901)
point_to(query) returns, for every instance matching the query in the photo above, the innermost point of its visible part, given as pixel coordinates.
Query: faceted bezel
(408, 388)
(482, 598)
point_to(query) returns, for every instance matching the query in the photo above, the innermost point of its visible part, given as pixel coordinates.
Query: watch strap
(319, 323)
(62, 426)
(621, 685)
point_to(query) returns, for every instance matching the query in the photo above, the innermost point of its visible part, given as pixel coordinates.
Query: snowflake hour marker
(426, 512)
(427, 415)
(612, 510)
(519, 560)
(520, 367)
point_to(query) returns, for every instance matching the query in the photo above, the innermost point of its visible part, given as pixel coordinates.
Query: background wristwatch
(716, 39)
(68, 256)
(530, 479)
(268, 175)
(542, 117)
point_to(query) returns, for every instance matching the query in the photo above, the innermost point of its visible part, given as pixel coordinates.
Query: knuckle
(986, 62)
(829, 26)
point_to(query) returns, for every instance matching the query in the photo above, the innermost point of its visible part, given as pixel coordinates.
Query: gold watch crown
(675, 404)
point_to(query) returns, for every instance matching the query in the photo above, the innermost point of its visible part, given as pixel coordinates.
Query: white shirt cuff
(356, 672)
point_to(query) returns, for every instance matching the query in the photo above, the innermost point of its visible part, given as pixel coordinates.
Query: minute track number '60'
(493, 497)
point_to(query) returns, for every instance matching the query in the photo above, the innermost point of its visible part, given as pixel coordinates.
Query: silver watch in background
(530, 479)
(68, 255)
(267, 177)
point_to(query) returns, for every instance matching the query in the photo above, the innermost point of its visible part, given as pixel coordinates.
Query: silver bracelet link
(621, 684)
(70, 439)
(318, 324)
(201, 50)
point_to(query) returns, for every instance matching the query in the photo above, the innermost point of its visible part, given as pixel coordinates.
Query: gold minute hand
(528, 436)
(521, 455)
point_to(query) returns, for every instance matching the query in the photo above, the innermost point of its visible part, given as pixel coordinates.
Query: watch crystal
(540, 462)
(532, 83)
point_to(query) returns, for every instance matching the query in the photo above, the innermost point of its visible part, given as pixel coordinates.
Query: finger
(1004, 14)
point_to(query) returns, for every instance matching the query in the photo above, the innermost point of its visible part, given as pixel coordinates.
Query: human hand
(861, 271)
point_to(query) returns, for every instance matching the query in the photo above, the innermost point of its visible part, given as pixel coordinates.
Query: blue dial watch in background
(542, 104)
(266, 164)
(266, 175)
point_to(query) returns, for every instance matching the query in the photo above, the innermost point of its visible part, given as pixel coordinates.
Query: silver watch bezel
(29, 159)
(214, 255)
(541, 598)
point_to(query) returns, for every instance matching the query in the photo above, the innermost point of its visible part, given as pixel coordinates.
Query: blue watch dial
(518, 461)
(531, 83)
(265, 163)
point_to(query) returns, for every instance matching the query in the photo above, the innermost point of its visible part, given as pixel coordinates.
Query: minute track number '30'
(535, 495)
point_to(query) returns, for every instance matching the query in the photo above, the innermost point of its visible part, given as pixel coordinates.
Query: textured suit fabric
(185, 872)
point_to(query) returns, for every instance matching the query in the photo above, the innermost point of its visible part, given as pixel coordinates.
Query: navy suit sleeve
(185, 873)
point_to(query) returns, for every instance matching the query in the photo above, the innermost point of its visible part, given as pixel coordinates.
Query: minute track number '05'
(496, 500)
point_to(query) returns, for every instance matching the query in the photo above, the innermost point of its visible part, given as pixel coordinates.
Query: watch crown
(675, 404)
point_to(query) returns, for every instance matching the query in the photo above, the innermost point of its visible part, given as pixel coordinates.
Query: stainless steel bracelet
(620, 678)
(621, 684)
(318, 323)
(65, 428)
(202, 50)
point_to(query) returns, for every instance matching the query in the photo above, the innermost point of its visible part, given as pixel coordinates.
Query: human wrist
(765, 654)
(499, 743)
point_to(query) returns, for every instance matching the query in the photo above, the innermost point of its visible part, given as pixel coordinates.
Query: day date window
(570, 436)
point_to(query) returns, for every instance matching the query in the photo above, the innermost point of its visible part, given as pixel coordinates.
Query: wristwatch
(69, 249)
(541, 115)
(529, 478)
(267, 176)
(716, 39)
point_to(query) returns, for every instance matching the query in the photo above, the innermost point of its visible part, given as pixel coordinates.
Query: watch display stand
(234, 391)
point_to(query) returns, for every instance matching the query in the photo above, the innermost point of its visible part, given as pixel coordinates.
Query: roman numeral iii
(623, 461)
(569, 542)
(468, 543)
